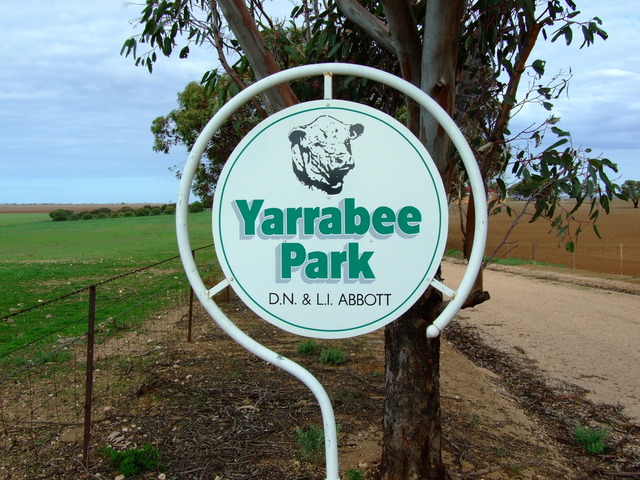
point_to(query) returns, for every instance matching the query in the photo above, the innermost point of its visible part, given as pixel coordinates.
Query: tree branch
(369, 23)
(217, 42)
(529, 39)
(261, 59)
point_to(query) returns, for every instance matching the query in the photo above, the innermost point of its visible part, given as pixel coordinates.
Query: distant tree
(183, 125)
(196, 207)
(101, 210)
(170, 210)
(60, 215)
(631, 190)
(143, 212)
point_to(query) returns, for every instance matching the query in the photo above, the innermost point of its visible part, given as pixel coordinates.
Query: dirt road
(578, 334)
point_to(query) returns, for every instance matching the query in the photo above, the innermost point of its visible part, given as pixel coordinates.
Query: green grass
(18, 218)
(43, 260)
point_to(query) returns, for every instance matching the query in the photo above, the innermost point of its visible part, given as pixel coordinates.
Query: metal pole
(88, 391)
(190, 316)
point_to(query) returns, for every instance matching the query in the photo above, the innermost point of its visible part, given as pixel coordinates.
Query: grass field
(41, 260)
(19, 218)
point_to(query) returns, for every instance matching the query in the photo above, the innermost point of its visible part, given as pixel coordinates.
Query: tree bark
(439, 63)
(412, 423)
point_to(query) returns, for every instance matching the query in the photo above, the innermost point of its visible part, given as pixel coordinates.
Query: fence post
(88, 392)
(620, 259)
(190, 316)
(533, 252)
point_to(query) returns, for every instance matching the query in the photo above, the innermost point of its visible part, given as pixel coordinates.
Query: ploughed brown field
(617, 252)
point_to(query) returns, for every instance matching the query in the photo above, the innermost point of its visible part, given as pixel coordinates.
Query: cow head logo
(321, 152)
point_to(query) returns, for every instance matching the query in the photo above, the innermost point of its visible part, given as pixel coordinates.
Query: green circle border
(253, 136)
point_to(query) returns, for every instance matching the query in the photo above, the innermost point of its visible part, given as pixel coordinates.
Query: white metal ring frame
(205, 295)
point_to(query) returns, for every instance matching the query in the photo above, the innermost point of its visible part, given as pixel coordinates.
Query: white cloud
(72, 108)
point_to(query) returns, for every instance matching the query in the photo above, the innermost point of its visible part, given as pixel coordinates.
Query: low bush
(60, 215)
(308, 347)
(135, 460)
(591, 439)
(332, 356)
(311, 442)
(196, 207)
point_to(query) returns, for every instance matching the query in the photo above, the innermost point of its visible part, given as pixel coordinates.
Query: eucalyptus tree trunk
(412, 416)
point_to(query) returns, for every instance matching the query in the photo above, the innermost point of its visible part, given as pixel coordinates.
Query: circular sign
(329, 219)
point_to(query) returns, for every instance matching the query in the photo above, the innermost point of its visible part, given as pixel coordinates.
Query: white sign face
(329, 219)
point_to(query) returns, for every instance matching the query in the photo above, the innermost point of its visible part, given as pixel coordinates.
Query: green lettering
(356, 219)
(293, 215)
(359, 264)
(273, 223)
(382, 220)
(249, 214)
(293, 255)
(409, 219)
(337, 259)
(316, 268)
(330, 223)
(310, 216)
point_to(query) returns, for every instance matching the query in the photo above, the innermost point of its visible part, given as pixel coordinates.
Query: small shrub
(332, 356)
(156, 211)
(98, 211)
(134, 460)
(474, 421)
(308, 347)
(60, 215)
(170, 210)
(86, 216)
(311, 442)
(196, 207)
(143, 212)
(102, 215)
(355, 474)
(591, 439)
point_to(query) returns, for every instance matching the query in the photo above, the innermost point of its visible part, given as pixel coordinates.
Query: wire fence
(614, 259)
(56, 386)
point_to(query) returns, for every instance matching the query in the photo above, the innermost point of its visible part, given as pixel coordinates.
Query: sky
(75, 115)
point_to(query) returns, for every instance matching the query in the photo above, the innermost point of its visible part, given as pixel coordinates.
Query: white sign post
(329, 220)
